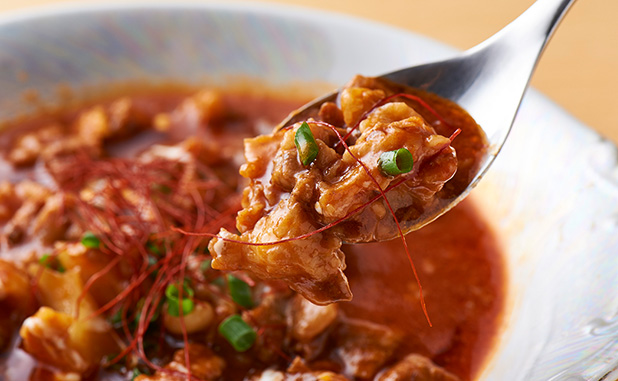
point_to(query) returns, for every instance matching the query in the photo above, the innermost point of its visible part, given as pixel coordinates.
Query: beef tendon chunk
(335, 197)
(205, 365)
(416, 367)
(365, 347)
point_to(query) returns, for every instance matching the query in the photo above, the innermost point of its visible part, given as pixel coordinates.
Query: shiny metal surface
(488, 80)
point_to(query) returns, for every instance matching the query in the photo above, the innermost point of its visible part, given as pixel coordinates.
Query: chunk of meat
(93, 126)
(59, 340)
(356, 101)
(86, 134)
(330, 113)
(418, 368)
(62, 332)
(313, 266)
(16, 296)
(389, 127)
(63, 291)
(51, 222)
(211, 105)
(28, 147)
(9, 202)
(365, 347)
(271, 314)
(310, 210)
(77, 258)
(204, 365)
(309, 320)
(17, 301)
(27, 200)
(274, 375)
(125, 118)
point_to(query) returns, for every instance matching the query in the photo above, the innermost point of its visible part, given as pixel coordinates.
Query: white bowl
(551, 195)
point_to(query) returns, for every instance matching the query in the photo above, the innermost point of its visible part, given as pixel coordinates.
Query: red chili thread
(140, 180)
(385, 100)
(348, 215)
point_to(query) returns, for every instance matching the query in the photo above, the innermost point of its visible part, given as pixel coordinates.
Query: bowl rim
(74, 7)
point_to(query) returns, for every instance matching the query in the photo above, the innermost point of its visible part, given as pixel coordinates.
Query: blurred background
(579, 69)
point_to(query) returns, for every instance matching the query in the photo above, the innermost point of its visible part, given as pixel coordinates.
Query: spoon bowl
(488, 81)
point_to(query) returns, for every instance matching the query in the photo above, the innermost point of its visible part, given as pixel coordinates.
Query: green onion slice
(44, 260)
(116, 318)
(136, 373)
(91, 241)
(162, 188)
(155, 247)
(396, 162)
(51, 263)
(238, 333)
(240, 291)
(205, 265)
(306, 144)
(173, 299)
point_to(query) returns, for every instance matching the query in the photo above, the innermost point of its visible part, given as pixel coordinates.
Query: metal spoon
(488, 81)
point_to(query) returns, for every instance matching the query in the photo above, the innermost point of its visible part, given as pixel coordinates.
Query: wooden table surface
(579, 69)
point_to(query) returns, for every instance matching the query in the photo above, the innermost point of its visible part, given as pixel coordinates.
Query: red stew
(70, 303)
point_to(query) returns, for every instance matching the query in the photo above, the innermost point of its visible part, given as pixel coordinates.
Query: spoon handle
(504, 64)
(531, 30)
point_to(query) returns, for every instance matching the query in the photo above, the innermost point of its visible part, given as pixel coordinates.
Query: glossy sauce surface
(461, 272)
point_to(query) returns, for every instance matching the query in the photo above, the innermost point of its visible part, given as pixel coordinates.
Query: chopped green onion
(44, 260)
(136, 373)
(116, 318)
(174, 303)
(238, 333)
(50, 262)
(162, 188)
(205, 265)
(154, 247)
(396, 162)
(240, 291)
(91, 241)
(152, 261)
(306, 144)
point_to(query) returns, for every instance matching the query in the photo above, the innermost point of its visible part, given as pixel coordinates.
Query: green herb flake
(174, 304)
(205, 265)
(136, 372)
(305, 144)
(91, 241)
(44, 260)
(154, 248)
